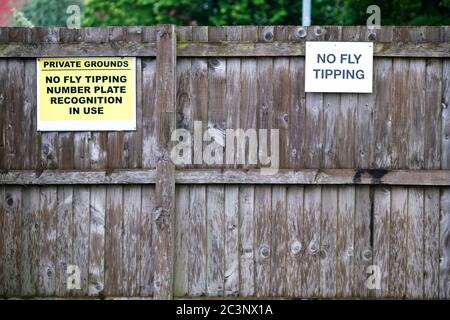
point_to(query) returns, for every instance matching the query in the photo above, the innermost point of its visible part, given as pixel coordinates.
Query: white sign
(338, 66)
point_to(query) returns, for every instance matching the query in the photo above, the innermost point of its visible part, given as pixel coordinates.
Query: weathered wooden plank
(249, 91)
(198, 236)
(145, 241)
(294, 218)
(113, 237)
(199, 90)
(263, 239)
(414, 277)
(3, 107)
(246, 238)
(131, 47)
(114, 48)
(163, 229)
(433, 121)
(231, 241)
(445, 147)
(231, 176)
(13, 115)
(328, 242)
(416, 113)
(130, 240)
(264, 117)
(310, 230)
(29, 261)
(383, 104)
(296, 104)
(281, 99)
(279, 243)
(64, 246)
(47, 251)
(381, 226)
(431, 244)
(2, 239)
(181, 262)
(30, 150)
(149, 145)
(11, 240)
(184, 108)
(97, 217)
(215, 225)
(398, 254)
(216, 103)
(345, 241)
(363, 240)
(233, 89)
(444, 245)
(314, 133)
(80, 254)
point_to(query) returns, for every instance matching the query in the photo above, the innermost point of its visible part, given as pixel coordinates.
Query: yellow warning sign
(86, 94)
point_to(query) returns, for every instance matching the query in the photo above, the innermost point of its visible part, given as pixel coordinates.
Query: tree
(48, 13)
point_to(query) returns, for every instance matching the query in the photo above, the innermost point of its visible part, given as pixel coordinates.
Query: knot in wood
(268, 36)
(318, 31)
(367, 255)
(264, 251)
(301, 33)
(296, 247)
(161, 216)
(214, 63)
(163, 34)
(313, 248)
(371, 35)
(9, 200)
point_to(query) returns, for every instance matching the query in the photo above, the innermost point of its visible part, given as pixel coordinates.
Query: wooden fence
(364, 179)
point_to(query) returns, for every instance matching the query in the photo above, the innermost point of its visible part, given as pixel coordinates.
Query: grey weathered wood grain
(11, 240)
(363, 240)
(64, 240)
(414, 278)
(263, 239)
(48, 233)
(198, 236)
(431, 243)
(145, 241)
(215, 225)
(246, 241)
(113, 237)
(29, 261)
(345, 241)
(80, 253)
(444, 245)
(231, 258)
(163, 228)
(130, 240)
(398, 254)
(281, 99)
(229, 176)
(381, 243)
(97, 244)
(310, 230)
(279, 243)
(2, 240)
(328, 242)
(181, 262)
(294, 250)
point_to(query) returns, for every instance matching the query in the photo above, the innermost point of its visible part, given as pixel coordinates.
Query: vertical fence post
(163, 216)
